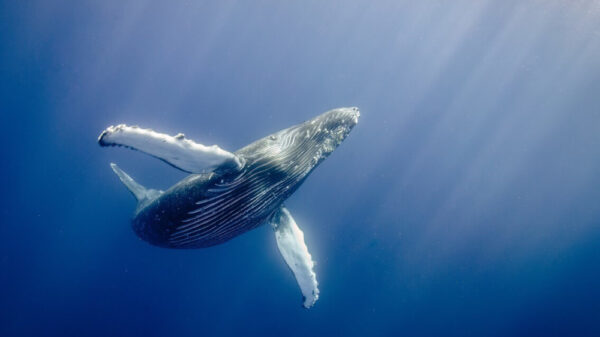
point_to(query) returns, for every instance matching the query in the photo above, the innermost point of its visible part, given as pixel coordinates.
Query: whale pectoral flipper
(182, 153)
(290, 241)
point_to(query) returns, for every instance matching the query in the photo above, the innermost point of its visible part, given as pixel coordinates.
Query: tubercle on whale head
(300, 148)
(340, 117)
(331, 128)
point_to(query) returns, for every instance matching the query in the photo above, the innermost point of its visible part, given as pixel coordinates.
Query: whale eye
(273, 137)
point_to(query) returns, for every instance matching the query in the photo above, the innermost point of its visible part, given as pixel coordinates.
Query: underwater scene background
(466, 202)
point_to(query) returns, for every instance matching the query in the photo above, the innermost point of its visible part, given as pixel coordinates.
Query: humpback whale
(230, 193)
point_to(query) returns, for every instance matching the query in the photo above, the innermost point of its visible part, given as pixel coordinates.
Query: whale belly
(205, 210)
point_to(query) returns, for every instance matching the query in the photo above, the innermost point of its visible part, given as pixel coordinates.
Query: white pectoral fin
(178, 151)
(290, 241)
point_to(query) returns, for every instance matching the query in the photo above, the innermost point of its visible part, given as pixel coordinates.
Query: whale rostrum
(228, 194)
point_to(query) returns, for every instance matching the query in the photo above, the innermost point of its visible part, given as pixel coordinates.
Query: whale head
(317, 138)
(291, 154)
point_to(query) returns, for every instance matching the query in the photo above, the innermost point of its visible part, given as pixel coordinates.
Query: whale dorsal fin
(178, 151)
(143, 195)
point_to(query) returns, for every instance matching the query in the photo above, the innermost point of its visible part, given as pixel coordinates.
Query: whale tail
(143, 195)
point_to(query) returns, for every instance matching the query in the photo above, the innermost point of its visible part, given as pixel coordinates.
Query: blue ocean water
(464, 203)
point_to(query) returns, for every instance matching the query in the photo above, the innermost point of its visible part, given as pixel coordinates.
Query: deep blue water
(466, 202)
